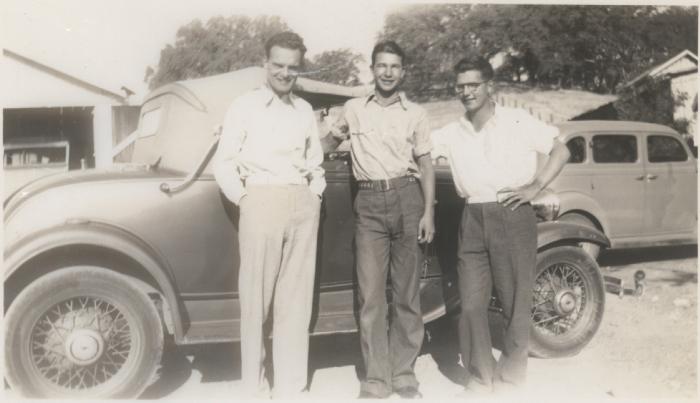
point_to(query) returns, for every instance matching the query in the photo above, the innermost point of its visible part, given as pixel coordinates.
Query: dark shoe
(364, 394)
(409, 392)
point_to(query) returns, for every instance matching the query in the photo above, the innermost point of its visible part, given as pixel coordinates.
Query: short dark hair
(287, 40)
(388, 46)
(475, 63)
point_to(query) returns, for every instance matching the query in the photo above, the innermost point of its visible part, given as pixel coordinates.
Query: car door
(576, 175)
(619, 183)
(334, 292)
(671, 187)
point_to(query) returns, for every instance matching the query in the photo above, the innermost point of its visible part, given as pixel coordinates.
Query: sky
(111, 43)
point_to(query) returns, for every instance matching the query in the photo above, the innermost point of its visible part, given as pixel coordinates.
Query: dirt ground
(646, 347)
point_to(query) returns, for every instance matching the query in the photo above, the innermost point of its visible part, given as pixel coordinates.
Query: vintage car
(101, 265)
(636, 182)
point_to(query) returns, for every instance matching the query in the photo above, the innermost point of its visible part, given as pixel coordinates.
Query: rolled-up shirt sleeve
(314, 159)
(421, 136)
(331, 135)
(440, 149)
(226, 168)
(541, 135)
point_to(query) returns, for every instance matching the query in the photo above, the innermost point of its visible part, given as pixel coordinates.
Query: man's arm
(226, 158)
(426, 225)
(314, 159)
(423, 145)
(333, 134)
(558, 157)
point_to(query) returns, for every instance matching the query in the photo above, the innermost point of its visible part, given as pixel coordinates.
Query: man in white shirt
(269, 163)
(492, 151)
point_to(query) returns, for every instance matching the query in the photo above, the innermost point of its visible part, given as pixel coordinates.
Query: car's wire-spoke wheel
(559, 297)
(81, 343)
(567, 302)
(82, 332)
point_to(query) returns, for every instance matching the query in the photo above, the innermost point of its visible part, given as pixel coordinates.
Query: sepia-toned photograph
(336, 200)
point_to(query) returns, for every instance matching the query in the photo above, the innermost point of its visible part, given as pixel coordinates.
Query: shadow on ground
(337, 350)
(661, 265)
(442, 344)
(624, 257)
(215, 362)
(221, 362)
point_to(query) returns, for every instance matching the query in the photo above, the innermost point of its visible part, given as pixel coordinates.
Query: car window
(665, 149)
(577, 149)
(614, 148)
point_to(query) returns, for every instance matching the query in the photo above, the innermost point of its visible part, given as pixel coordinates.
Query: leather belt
(382, 185)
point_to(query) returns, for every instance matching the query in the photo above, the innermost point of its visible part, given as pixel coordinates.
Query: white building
(43, 103)
(682, 70)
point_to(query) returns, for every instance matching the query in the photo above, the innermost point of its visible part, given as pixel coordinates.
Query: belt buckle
(384, 185)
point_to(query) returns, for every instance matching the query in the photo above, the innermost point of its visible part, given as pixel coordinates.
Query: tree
(653, 102)
(335, 66)
(222, 45)
(594, 47)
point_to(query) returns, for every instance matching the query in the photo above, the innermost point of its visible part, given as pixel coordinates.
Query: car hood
(69, 178)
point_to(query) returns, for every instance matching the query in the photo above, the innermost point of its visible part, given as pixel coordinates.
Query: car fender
(102, 235)
(577, 201)
(551, 232)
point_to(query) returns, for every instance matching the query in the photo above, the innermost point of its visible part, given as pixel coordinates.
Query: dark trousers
(386, 237)
(497, 250)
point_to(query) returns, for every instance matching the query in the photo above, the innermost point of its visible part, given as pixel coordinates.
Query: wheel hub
(565, 302)
(84, 346)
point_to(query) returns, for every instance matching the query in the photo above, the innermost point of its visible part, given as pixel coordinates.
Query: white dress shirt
(268, 141)
(502, 154)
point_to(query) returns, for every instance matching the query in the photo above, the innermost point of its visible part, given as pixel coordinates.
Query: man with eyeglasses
(269, 163)
(390, 149)
(492, 151)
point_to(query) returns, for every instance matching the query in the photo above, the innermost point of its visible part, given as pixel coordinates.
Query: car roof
(220, 89)
(574, 126)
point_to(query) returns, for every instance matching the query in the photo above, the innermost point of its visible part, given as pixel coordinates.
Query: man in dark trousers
(390, 148)
(492, 151)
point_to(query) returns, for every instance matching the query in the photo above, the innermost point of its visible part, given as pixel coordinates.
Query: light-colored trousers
(278, 231)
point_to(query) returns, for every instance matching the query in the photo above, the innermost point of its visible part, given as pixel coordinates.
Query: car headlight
(546, 205)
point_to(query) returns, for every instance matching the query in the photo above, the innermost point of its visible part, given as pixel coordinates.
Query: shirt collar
(497, 112)
(398, 96)
(269, 96)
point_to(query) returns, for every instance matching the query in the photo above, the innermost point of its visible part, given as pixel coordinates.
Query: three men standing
(492, 151)
(269, 163)
(390, 148)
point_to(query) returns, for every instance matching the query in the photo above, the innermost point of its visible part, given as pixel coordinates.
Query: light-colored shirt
(502, 154)
(386, 140)
(266, 140)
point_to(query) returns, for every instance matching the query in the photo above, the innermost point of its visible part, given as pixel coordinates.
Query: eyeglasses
(470, 86)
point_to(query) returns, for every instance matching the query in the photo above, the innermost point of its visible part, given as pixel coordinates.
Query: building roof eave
(65, 76)
(656, 70)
